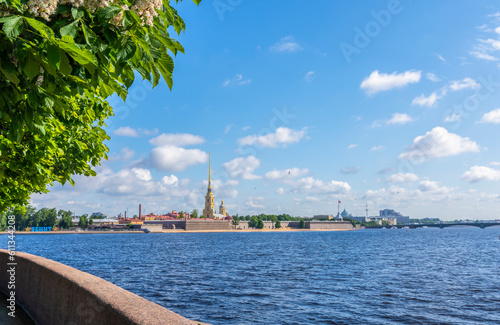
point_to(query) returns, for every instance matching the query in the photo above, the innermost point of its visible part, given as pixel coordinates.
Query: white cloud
(378, 82)
(170, 180)
(426, 101)
(126, 131)
(377, 148)
(350, 170)
(310, 76)
(280, 191)
(125, 154)
(242, 167)
(453, 118)
(401, 178)
(172, 158)
(376, 124)
(491, 117)
(483, 56)
(432, 77)
(399, 118)
(282, 137)
(466, 83)
(176, 139)
(237, 81)
(480, 173)
(495, 163)
(286, 44)
(433, 188)
(352, 146)
(440, 57)
(142, 174)
(438, 143)
(286, 173)
(255, 202)
(316, 186)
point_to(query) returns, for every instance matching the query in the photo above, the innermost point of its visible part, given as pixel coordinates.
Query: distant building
(222, 208)
(388, 213)
(99, 215)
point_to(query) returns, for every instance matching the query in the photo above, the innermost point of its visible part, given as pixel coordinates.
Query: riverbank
(171, 231)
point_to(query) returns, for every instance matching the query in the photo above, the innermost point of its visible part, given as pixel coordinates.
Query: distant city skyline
(394, 104)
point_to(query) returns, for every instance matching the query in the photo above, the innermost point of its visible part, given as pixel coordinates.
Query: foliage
(260, 224)
(194, 214)
(60, 61)
(253, 222)
(181, 215)
(83, 222)
(236, 221)
(66, 220)
(278, 224)
(302, 224)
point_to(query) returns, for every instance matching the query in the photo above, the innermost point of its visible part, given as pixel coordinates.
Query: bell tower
(209, 209)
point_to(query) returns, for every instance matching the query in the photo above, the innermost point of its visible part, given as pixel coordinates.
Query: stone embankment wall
(314, 225)
(54, 293)
(208, 225)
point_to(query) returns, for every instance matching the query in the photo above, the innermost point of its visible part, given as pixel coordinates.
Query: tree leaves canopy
(59, 62)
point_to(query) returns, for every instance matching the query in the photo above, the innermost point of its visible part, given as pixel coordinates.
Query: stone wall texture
(54, 293)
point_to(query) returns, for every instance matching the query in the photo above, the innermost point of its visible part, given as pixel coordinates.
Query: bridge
(481, 225)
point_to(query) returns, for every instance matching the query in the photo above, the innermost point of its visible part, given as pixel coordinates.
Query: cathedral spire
(209, 181)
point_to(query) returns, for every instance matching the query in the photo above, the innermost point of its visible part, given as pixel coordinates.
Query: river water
(387, 276)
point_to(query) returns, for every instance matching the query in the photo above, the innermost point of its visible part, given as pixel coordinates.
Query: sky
(384, 104)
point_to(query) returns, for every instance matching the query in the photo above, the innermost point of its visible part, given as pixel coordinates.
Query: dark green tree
(236, 221)
(278, 224)
(302, 224)
(260, 224)
(194, 214)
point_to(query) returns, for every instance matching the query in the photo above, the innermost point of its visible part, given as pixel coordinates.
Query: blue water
(405, 276)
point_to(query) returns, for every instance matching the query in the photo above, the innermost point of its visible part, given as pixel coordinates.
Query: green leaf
(81, 55)
(106, 13)
(12, 77)
(127, 50)
(40, 27)
(128, 20)
(31, 67)
(53, 55)
(28, 116)
(13, 26)
(70, 29)
(66, 67)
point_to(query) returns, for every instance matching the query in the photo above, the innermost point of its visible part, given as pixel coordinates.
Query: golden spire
(209, 169)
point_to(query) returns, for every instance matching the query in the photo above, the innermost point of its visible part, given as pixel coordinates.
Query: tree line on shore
(27, 217)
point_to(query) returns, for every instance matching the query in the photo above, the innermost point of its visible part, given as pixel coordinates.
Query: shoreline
(163, 231)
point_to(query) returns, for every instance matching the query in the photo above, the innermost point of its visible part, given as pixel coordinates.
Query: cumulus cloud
(282, 137)
(286, 173)
(170, 180)
(316, 186)
(466, 83)
(125, 154)
(402, 178)
(399, 118)
(176, 139)
(377, 148)
(352, 146)
(172, 158)
(242, 167)
(142, 174)
(350, 170)
(378, 82)
(280, 191)
(286, 44)
(429, 101)
(433, 187)
(491, 117)
(438, 143)
(480, 173)
(237, 81)
(126, 131)
(255, 202)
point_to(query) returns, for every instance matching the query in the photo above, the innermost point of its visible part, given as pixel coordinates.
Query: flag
(339, 202)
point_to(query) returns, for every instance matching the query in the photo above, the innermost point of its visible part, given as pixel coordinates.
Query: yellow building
(222, 208)
(209, 210)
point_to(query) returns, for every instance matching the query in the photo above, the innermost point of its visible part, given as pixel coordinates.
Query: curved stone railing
(54, 293)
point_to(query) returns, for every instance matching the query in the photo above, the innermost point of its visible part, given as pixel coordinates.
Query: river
(386, 276)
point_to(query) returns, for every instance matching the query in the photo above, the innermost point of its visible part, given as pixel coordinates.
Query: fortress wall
(208, 225)
(54, 293)
(333, 225)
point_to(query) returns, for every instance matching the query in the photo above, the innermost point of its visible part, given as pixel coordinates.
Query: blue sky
(394, 104)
